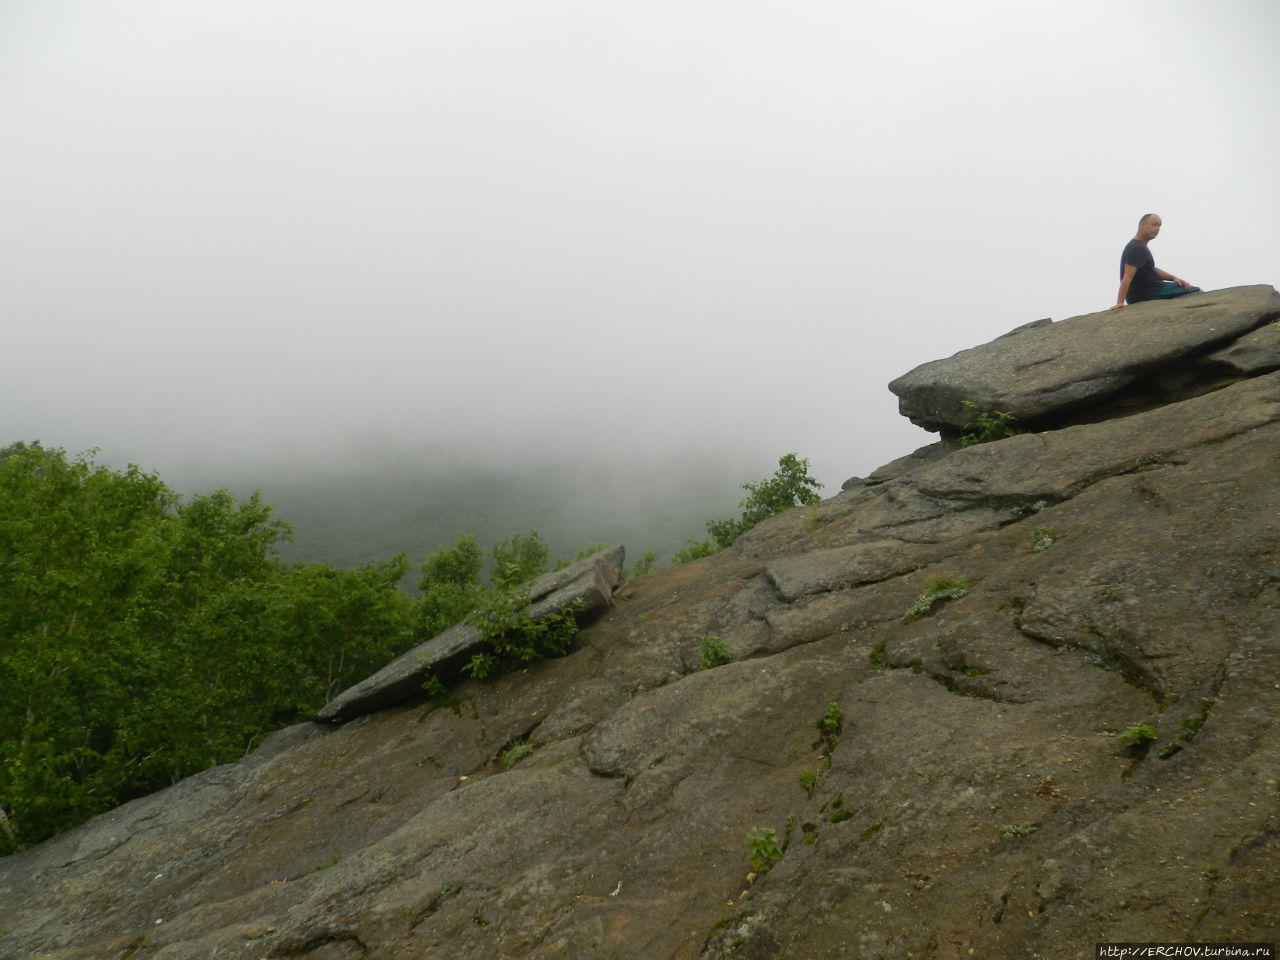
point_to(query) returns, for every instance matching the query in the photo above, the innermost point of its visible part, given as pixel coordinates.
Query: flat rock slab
(590, 581)
(820, 571)
(1044, 368)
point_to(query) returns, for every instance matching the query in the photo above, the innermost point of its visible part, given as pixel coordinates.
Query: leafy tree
(450, 578)
(790, 486)
(521, 558)
(143, 638)
(450, 586)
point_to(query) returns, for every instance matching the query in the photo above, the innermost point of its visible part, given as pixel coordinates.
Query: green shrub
(1013, 831)
(513, 638)
(987, 427)
(515, 753)
(1138, 736)
(1043, 539)
(764, 848)
(713, 652)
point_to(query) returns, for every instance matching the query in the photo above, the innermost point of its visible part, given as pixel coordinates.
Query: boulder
(589, 582)
(1045, 369)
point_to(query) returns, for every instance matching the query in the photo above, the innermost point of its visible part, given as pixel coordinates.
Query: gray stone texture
(979, 800)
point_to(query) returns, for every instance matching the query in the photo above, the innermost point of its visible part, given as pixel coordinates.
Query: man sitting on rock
(1140, 279)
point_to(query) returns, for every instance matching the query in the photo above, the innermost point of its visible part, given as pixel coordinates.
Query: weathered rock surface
(1255, 353)
(1044, 369)
(980, 799)
(589, 583)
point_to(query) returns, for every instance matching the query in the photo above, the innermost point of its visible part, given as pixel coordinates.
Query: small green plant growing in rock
(879, 658)
(1012, 831)
(832, 723)
(987, 427)
(713, 652)
(515, 753)
(809, 780)
(433, 688)
(1043, 539)
(1138, 737)
(480, 665)
(789, 826)
(765, 851)
(940, 588)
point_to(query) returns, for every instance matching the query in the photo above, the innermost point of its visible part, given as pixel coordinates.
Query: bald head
(1148, 227)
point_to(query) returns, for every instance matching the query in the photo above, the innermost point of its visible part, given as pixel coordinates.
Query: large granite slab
(1046, 368)
(590, 581)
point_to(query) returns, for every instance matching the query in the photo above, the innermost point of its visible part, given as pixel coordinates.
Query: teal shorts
(1171, 289)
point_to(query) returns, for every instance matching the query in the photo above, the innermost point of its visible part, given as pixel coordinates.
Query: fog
(244, 234)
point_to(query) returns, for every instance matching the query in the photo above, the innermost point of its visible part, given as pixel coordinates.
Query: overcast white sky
(238, 228)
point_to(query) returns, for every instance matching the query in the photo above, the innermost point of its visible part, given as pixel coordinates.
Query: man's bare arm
(1125, 279)
(1169, 276)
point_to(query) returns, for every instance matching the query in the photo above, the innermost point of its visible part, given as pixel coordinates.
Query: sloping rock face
(977, 796)
(1043, 369)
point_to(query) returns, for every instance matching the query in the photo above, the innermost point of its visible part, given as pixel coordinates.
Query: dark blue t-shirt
(1146, 282)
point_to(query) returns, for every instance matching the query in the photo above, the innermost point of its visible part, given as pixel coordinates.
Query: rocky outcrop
(1044, 370)
(585, 586)
(1004, 701)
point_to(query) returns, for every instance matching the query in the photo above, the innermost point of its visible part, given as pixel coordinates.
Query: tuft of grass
(940, 588)
(832, 722)
(809, 780)
(813, 520)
